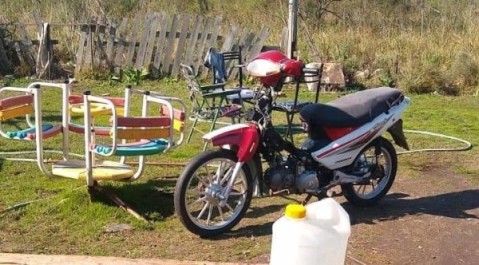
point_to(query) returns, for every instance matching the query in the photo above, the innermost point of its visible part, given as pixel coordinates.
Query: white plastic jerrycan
(316, 234)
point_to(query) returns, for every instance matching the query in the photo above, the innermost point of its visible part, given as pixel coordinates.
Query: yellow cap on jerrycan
(315, 234)
(295, 211)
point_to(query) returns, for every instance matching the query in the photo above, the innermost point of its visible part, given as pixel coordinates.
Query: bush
(464, 71)
(420, 79)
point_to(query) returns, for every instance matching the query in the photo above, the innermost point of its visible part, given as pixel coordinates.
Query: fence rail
(157, 41)
(161, 42)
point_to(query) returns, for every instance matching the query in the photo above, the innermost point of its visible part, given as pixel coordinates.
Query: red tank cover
(293, 67)
(290, 67)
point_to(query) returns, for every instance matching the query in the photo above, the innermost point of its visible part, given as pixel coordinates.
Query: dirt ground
(429, 218)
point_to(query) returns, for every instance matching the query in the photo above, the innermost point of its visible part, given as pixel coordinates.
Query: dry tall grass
(418, 45)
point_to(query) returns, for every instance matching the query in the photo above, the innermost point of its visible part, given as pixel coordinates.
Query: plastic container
(312, 82)
(316, 234)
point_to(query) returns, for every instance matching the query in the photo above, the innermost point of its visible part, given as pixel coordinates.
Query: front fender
(256, 170)
(227, 135)
(242, 136)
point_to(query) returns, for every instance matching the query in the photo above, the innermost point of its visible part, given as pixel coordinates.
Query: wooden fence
(161, 42)
(16, 50)
(23, 55)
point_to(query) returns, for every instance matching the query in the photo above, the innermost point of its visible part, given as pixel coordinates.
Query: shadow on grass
(394, 206)
(152, 199)
(255, 230)
(247, 232)
(258, 212)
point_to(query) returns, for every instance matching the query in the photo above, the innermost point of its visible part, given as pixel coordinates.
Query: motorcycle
(345, 146)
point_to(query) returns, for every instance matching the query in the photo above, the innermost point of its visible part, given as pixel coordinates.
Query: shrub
(420, 79)
(464, 71)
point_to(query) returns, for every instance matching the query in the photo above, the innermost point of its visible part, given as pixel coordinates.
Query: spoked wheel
(380, 159)
(199, 193)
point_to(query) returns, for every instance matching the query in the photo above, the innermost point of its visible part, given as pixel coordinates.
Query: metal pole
(292, 28)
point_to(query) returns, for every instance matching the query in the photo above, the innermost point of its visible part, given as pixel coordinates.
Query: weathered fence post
(293, 28)
(45, 52)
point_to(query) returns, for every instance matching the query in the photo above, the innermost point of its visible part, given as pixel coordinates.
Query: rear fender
(397, 133)
(242, 137)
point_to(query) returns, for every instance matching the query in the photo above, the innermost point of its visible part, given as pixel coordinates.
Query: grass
(61, 219)
(422, 46)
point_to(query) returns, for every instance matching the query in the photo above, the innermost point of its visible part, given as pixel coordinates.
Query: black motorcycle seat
(352, 110)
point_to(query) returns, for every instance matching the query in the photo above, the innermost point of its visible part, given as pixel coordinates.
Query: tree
(316, 9)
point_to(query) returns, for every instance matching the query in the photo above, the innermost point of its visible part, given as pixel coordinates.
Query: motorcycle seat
(352, 110)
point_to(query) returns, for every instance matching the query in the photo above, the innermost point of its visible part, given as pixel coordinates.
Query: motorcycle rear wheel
(196, 202)
(383, 174)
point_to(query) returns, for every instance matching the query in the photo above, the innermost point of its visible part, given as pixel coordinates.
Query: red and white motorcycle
(345, 146)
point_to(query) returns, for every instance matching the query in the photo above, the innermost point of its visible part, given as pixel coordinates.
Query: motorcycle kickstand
(310, 195)
(321, 195)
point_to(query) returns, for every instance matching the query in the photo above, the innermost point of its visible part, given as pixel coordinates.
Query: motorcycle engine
(307, 181)
(280, 178)
(291, 176)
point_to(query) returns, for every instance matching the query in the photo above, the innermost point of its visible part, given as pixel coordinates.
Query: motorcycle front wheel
(198, 193)
(378, 158)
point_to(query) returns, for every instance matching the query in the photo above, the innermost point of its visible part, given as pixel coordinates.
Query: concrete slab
(29, 259)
